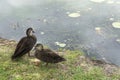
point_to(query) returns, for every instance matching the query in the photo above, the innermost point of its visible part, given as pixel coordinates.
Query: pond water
(90, 25)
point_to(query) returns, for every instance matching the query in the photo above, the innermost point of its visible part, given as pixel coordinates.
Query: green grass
(24, 69)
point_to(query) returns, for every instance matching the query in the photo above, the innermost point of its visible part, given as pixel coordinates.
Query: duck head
(29, 32)
(39, 47)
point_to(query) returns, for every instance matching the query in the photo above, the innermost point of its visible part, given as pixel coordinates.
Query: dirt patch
(86, 63)
(5, 42)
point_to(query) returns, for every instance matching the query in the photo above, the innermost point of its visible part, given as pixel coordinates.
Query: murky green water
(70, 24)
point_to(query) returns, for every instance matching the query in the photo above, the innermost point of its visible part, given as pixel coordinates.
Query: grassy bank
(77, 67)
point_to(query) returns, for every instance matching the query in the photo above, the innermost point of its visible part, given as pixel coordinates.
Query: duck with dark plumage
(47, 55)
(25, 44)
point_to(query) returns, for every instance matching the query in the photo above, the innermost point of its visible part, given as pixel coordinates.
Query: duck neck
(28, 36)
(42, 48)
(29, 33)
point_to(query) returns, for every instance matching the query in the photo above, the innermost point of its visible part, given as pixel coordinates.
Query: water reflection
(70, 24)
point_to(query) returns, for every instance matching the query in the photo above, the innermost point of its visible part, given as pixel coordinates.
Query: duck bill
(33, 31)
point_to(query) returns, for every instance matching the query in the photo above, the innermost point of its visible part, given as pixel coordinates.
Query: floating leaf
(116, 24)
(42, 33)
(118, 40)
(97, 28)
(60, 44)
(111, 19)
(74, 15)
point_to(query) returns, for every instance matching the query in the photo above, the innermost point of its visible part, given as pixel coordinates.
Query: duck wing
(23, 46)
(20, 45)
(51, 54)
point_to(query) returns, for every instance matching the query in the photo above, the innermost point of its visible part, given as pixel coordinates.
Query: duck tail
(63, 59)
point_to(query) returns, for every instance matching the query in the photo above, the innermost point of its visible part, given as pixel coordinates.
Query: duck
(47, 55)
(25, 44)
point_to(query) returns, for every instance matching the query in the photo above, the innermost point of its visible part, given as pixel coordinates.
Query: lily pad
(60, 44)
(74, 15)
(116, 24)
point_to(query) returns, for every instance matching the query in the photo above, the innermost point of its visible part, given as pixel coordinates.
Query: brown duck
(25, 44)
(47, 55)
